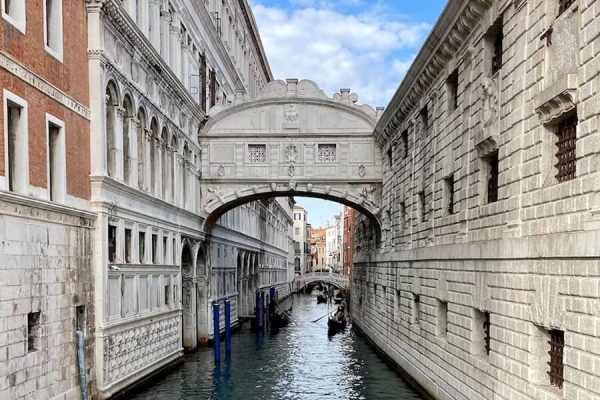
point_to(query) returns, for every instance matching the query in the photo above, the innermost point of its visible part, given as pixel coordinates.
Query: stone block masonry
(486, 283)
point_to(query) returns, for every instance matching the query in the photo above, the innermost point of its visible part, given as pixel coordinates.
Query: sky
(364, 45)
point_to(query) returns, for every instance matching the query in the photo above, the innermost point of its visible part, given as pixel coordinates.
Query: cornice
(456, 23)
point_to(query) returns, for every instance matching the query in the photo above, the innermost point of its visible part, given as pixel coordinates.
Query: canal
(299, 362)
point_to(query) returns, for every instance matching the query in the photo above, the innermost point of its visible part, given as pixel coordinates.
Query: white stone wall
(45, 268)
(531, 258)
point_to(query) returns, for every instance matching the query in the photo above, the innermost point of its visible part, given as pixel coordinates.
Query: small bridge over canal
(339, 280)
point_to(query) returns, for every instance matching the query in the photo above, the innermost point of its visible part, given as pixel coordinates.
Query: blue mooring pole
(217, 331)
(257, 312)
(262, 309)
(227, 327)
(272, 295)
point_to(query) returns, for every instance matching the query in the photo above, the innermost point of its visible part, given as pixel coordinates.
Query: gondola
(321, 298)
(279, 320)
(335, 326)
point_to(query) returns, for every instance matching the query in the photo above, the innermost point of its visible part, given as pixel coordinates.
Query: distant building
(347, 241)
(333, 246)
(317, 249)
(301, 240)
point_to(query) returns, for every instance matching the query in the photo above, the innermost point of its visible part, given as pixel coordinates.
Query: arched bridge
(292, 140)
(339, 280)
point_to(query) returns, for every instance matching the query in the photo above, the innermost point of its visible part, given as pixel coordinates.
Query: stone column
(148, 168)
(133, 131)
(174, 47)
(138, 175)
(118, 142)
(157, 170)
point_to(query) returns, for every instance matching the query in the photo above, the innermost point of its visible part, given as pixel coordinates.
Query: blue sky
(364, 45)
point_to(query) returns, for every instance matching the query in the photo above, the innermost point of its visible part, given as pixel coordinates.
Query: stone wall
(46, 293)
(453, 258)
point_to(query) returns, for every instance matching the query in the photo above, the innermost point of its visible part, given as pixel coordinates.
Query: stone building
(486, 283)
(46, 286)
(347, 240)
(301, 239)
(317, 249)
(334, 244)
(156, 68)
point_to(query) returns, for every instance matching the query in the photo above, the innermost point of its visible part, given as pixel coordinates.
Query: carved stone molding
(558, 100)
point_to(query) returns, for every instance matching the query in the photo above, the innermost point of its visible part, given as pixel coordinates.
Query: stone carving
(327, 153)
(292, 185)
(309, 187)
(291, 170)
(221, 170)
(291, 118)
(367, 194)
(274, 187)
(135, 71)
(217, 194)
(362, 171)
(490, 101)
(291, 153)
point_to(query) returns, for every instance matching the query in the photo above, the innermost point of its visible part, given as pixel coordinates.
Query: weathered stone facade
(490, 217)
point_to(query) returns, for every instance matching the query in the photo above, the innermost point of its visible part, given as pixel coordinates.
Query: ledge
(558, 99)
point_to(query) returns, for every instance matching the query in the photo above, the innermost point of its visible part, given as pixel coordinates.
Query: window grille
(453, 90)
(565, 149)
(327, 153)
(449, 184)
(492, 183)
(257, 153)
(563, 5)
(497, 54)
(557, 345)
(486, 330)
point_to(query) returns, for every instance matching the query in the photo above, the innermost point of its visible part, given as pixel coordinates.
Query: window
(16, 143)
(174, 252)
(563, 5)
(491, 170)
(327, 153)
(56, 159)
(257, 153)
(402, 216)
(424, 114)
(557, 345)
(416, 316)
(154, 248)
(404, 138)
(53, 37)
(442, 318)
(297, 231)
(34, 331)
(213, 88)
(449, 195)
(203, 91)
(422, 213)
(80, 318)
(165, 249)
(14, 12)
(566, 158)
(452, 86)
(480, 331)
(167, 290)
(390, 156)
(112, 243)
(141, 246)
(486, 331)
(494, 42)
(127, 245)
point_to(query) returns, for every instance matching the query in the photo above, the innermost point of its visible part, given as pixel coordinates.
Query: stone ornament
(490, 101)
(291, 170)
(362, 171)
(291, 118)
(221, 170)
(291, 153)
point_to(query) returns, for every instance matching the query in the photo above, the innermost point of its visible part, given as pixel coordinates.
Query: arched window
(141, 146)
(127, 129)
(172, 160)
(184, 193)
(153, 158)
(112, 102)
(165, 173)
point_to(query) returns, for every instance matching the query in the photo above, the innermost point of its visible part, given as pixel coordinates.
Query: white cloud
(367, 52)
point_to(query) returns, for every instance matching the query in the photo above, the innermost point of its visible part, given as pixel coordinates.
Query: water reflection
(299, 362)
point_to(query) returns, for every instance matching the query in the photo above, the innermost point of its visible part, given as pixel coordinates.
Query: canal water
(298, 362)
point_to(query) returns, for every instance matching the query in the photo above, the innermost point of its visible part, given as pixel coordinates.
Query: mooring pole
(217, 331)
(257, 312)
(227, 327)
(262, 309)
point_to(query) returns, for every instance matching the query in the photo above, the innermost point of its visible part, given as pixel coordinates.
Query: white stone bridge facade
(339, 280)
(292, 140)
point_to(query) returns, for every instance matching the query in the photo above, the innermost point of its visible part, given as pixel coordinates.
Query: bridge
(339, 280)
(292, 140)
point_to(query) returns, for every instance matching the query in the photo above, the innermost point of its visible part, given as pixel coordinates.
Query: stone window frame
(21, 153)
(324, 153)
(550, 150)
(480, 339)
(490, 47)
(34, 331)
(142, 231)
(54, 27)
(253, 152)
(449, 195)
(17, 16)
(58, 193)
(442, 318)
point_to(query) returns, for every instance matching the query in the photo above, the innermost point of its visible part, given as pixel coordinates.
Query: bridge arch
(292, 140)
(338, 280)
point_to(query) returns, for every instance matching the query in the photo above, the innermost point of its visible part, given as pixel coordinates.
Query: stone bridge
(292, 140)
(339, 280)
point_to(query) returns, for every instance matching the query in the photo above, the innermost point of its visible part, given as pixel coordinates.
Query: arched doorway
(188, 301)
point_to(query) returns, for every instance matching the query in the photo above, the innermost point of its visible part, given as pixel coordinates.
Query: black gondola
(279, 320)
(334, 326)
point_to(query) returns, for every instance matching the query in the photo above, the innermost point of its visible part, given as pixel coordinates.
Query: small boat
(335, 326)
(321, 298)
(279, 320)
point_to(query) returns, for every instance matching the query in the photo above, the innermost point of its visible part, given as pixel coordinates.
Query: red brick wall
(71, 76)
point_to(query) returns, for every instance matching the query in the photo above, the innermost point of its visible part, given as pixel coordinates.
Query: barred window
(492, 179)
(557, 345)
(112, 243)
(424, 113)
(257, 153)
(565, 149)
(494, 39)
(497, 56)
(449, 194)
(563, 5)
(452, 84)
(486, 330)
(327, 153)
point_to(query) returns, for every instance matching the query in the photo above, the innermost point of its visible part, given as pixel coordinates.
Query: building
(46, 281)
(489, 261)
(156, 69)
(301, 240)
(334, 244)
(347, 240)
(317, 249)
